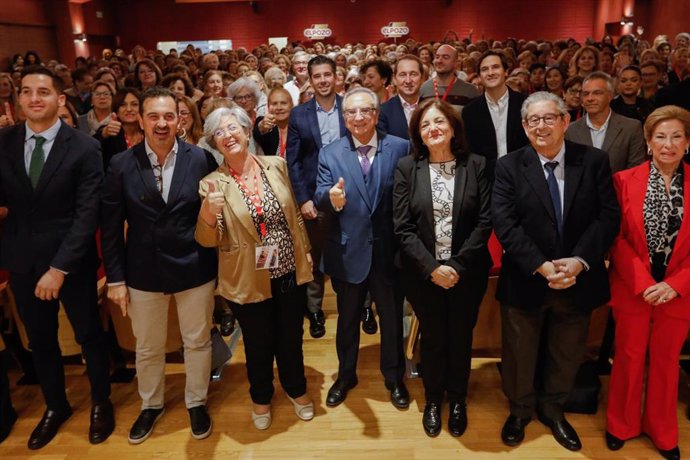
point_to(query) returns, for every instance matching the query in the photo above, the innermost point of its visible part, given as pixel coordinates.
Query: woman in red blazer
(650, 286)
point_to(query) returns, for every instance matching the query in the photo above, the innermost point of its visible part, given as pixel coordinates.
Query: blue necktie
(555, 194)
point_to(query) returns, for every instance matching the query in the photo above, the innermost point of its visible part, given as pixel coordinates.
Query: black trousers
(272, 329)
(446, 321)
(388, 300)
(563, 331)
(80, 299)
(7, 412)
(316, 229)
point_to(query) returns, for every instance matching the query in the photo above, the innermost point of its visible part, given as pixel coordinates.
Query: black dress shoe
(7, 424)
(338, 392)
(227, 324)
(400, 397)
(513, 431)
(369, 324)
(316, 324)
(102, 422)
(671, 454)
(613, 443)
(200, 422)
(457, 419)
(143, 426)
(431, 420)
(47, 428)
(563, 432)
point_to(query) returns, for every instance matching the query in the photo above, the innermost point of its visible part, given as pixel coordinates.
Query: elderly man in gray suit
(620, 137)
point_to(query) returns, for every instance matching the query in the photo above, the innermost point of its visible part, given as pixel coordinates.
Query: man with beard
(446, 85)
(312, 126)
(153, 186)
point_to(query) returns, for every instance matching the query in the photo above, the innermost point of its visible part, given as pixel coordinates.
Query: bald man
(446, 85)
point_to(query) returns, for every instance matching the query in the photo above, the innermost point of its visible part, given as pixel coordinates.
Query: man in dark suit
(493, 126)
(314, 125)
(355, 186)
(555, 213)
(153, 186)
(396, 112)
(50, 180)
(620, 137)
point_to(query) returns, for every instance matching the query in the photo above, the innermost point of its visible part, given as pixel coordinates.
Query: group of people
(391, 191)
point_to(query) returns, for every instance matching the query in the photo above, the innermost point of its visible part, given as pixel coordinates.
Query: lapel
(534, 173)
(580, 132)
(379, 168)
(235, 201)
(635, 196)
(180, 173)
(55, 158)
(682, 246)
(352, 165)
(612, 132)
(459, 190)
(313, 122)
(574, 159)
(514, 124)
(341, 120)
(398, 109)
(17, 158)
(422, 190)
(146, 175)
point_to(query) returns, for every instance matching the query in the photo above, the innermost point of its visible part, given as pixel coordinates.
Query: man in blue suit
(355, 185)
(312, 126)
(397, 111)
(153, 186)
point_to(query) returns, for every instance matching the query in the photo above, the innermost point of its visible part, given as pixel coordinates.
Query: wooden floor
(365, 426)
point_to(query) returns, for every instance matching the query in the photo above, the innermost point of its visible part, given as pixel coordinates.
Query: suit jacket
(111, 145)
(414, 217)
(303, 146)
(525, 224)
(268, 142)
(55, 224)
(624, 141)
(480, 132)
(392, 118)
(238, 279)
(630, 271)
(159, 253)
(363, 230)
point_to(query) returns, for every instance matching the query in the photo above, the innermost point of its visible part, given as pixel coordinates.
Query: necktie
(555, 194)
(364, 162)
(37, 160)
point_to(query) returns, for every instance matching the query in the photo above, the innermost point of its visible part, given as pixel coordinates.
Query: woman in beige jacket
(249, 213)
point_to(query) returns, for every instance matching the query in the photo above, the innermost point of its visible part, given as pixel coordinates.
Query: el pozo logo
(318, 31)
(395, 30)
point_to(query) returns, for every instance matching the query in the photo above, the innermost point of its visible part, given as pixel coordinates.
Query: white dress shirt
(499, 116)
(373, 142)
(29, 142)
(598, 134)
(168, 167)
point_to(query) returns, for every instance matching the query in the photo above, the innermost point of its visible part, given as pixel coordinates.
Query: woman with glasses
(441, 202)
(246, 93)
(101, 108)
(250, 214)
(146, 74)
(572, 95)
(191, 129)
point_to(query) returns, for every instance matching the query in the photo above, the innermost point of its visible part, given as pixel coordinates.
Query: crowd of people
(248, 177)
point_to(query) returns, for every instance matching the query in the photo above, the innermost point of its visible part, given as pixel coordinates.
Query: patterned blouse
(663, 214)
(277, 230)
(442, 187)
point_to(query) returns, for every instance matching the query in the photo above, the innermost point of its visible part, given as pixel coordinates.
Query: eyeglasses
(549, 120)
(574, 91)
(227, 131)
(246, 97)
(184, 113)
(365, 112)
(102, 94)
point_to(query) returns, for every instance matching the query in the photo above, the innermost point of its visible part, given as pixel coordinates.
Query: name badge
(266, 257)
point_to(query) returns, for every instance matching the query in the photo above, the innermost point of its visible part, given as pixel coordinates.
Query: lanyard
(448, 88)
(254, 198)
(283, 143)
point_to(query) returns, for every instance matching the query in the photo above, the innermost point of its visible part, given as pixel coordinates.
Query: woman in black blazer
(442, 223)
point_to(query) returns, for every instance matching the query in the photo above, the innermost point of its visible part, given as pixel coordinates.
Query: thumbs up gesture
(213, 204)
(112, 128)
(337, 195)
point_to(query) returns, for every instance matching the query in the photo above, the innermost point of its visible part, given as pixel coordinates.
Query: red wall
(667, 17)
(350, 21)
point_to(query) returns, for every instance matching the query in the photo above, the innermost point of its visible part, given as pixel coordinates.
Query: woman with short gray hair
(246, 93)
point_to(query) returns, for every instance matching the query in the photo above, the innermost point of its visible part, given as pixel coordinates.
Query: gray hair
(215, 118)
(240, 84)
(270, 73)
(543, 96)
(358, 90)
(599, 75)
(301, 54)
